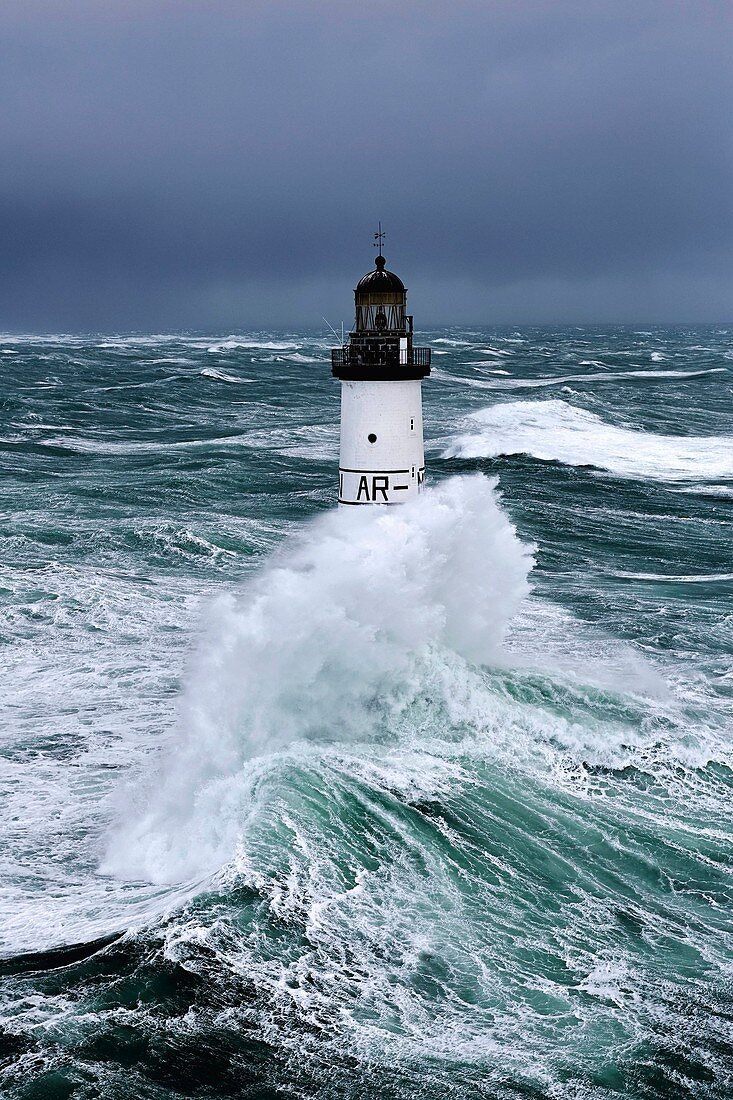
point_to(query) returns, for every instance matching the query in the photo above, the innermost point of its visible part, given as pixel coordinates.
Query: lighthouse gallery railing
(351, 357)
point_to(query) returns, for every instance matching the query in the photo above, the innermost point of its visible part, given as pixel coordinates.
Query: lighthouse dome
(379, 282)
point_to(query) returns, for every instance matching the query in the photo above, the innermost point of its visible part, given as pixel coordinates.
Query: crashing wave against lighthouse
(382, 457)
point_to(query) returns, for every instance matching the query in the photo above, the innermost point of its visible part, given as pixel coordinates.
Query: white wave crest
(562, 379)
(254, 345)
(707, 490)
(319, 648)
(221, 376)
(674, 578)
(556, 431)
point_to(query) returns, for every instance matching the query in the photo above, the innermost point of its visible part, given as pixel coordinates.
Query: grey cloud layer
(224, 163)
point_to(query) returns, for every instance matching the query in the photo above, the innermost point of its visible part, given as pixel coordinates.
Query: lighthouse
(382, 458)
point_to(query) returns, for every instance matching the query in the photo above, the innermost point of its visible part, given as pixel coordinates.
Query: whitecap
(168, 359)
(220, 376)
(253, 345)
(488, 363)
(618, 376)
(707, 490)
(556, 431)
(85, 445)
(674, 578)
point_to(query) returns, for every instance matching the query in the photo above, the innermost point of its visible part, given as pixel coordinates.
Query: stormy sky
(191, 164)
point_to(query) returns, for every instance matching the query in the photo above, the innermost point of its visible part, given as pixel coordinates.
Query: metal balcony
(358, 363)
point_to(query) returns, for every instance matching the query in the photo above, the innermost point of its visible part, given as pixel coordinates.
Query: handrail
(359, 356)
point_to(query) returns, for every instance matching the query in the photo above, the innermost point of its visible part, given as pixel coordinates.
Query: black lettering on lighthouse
(380, 485)
(363, 488)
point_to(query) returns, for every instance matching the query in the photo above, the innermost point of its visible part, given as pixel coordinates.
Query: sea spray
(325, 645)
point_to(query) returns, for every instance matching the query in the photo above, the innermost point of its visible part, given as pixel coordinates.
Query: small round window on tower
(372, 437)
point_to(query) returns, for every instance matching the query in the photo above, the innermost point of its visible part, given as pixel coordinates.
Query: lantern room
(381, 301)
(380, 344)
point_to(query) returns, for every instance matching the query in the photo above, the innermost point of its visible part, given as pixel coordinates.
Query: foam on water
(71, 676)
(557, 431)
(101, 446)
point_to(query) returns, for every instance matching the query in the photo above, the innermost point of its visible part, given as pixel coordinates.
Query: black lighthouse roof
(380, 281)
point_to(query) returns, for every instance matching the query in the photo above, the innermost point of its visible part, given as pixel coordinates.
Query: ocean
(430, 801)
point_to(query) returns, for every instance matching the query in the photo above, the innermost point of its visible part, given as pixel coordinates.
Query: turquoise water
(431, 801)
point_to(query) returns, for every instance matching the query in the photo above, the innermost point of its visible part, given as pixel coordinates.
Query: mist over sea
(431, 801)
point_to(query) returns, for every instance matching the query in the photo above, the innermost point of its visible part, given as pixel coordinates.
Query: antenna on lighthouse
(379, 238)
(333, 330)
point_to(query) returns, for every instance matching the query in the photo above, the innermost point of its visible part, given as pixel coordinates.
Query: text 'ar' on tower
(382, 459)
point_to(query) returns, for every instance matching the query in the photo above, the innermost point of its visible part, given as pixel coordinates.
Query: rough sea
(431, 801)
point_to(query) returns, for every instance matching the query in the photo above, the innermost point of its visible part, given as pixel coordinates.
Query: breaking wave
(253, 345)
(326, 646)
(563, 379)
(559, 432)
(222, 376)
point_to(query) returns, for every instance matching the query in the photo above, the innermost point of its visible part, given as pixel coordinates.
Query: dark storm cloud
(224, 163)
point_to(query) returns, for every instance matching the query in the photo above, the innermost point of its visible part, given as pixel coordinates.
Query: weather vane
(379, 238)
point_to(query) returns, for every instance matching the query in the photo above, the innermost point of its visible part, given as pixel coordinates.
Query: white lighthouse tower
(382, 456)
